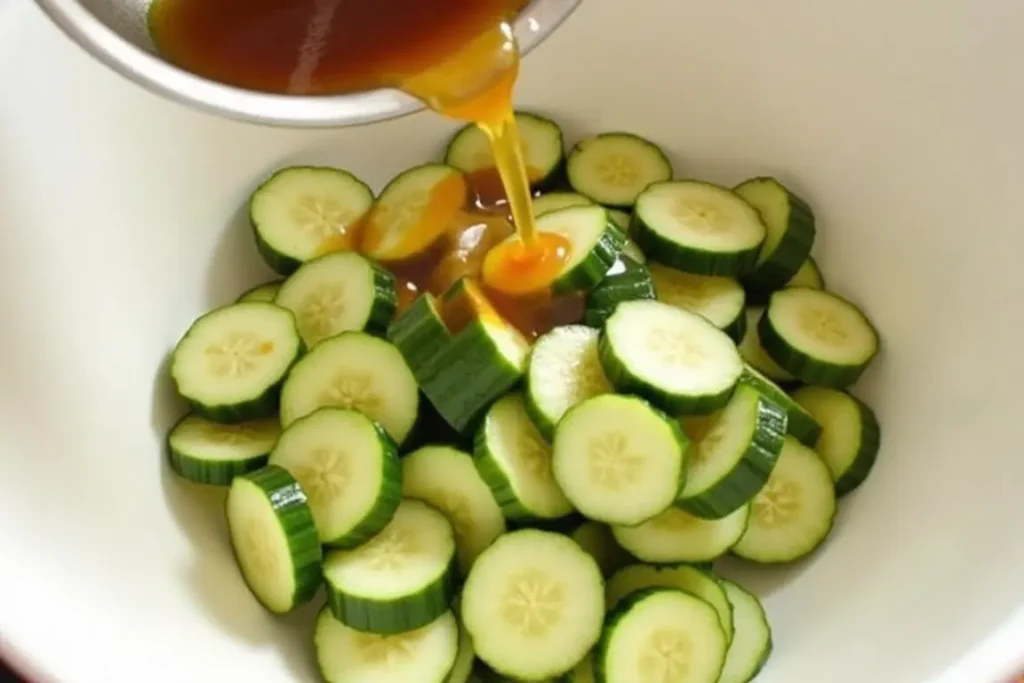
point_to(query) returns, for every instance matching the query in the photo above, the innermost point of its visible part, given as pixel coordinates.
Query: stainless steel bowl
(115, 32)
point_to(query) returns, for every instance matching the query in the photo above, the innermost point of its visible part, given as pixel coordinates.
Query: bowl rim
(539, 20)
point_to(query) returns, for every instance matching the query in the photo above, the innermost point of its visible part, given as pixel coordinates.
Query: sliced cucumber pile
(487, 501)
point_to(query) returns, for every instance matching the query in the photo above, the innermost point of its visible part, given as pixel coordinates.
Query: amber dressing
(459, 57)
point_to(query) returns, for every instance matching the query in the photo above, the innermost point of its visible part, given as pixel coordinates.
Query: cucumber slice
(336, 293)
(533, 604)
(210, 453)
(462, 669)
(485, 359)
(274, 538)
(230, 364)
(627, 280)
(553, 201)
(850, 435)
(265, 292)
(698, 228)
(348, 466)
(697, 582)
(752, 643)
(515, 461)
(424, 655)
(302, 212)
(401, 579)
(735, 452)
(621, 219)
(793, 514)
(354, 370)
(597, 540)
(613, 168)
(677, 536)
(618, 460)
(800, 424)
(809, 276)
(421, 334)
(675, 359)
(818, 337)
(447, 479)
(718, 299)
(543, 149)
(563, 371)
(790, 227)
(413, 210)
(752, 352)
(594, 242)
(661, 634)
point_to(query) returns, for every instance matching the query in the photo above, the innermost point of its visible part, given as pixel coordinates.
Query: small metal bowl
(115, 32)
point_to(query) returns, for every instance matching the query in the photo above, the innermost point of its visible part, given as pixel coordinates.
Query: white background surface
(121, 219)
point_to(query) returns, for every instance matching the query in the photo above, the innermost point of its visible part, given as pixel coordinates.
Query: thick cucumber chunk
(424, 655)
(515, 461)
(698, 228)
(677, 536)
(850, 435)
(661, 634)
(447, 479)
(627, 280)
(266, 292)
(800, 424)
(817, 337)
(336, 293)
(684, 577)
(597, 540)
(734, 452)
(718, 299)
(348, 466)
(808, 276)
(210, 453)
(563, 371)
(594, 242)
(420, 334)
(618, 460)
(274, 538)
(790, 232)
(793, 513)
(533, 604)
(302, 212)
(613, 168)
(354, 370)
(230, 364)
(413, 210)
(675, 359)
(401, 579)
(553, 201)
(752, 643)
(752, 352)
(543, 149)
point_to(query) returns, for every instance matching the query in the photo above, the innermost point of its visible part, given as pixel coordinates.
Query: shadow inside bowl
(235, 265)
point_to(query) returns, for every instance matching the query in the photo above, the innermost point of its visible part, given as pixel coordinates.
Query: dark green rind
(627, 280)
(799, 423)
(620, 612)
(792, 250)
(591, 271)
(212, 472)
(804, 367)
(737, 329)
(431, 429)
(289, 504)
(736, 488)
(421, 335)
(574, 155)
(264, 292)
(385, 300)
(387, 617)
(560, 525)
(257, 408)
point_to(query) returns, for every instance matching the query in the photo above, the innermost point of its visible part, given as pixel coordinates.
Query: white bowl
(121, 218)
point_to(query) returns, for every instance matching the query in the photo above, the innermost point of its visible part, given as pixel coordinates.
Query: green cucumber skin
(737, 488)
(791, 251)
(207, 471)
(432, 429)
(737, 329)
(388, 617)
(633, 283)
(420, 334)
(385, 301)
(799, 423)
(867, 454)
(589, 272)
(689, 260)
(293, 514)
(805, 368)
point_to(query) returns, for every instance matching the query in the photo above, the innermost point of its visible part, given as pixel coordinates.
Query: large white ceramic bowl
(121, 219)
